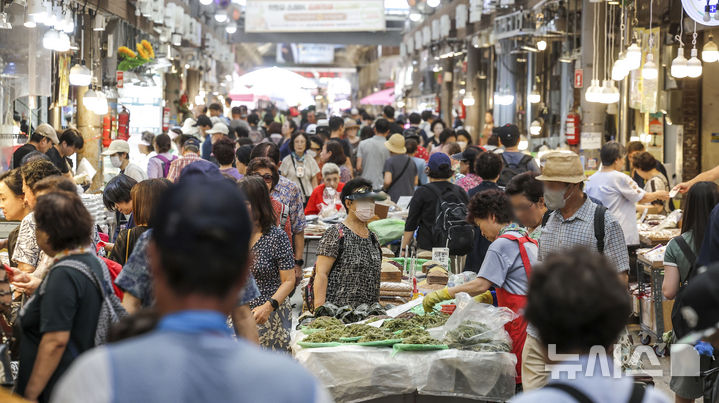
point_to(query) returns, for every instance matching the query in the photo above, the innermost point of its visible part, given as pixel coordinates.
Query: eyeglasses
(267, 177)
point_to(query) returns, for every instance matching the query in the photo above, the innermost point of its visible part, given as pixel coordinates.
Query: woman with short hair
(116, 197)
(332, 180)
(59, 322)
(645, 165)
(272, 266)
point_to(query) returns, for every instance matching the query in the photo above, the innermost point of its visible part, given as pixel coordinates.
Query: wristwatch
(274, 304)
(299, 262)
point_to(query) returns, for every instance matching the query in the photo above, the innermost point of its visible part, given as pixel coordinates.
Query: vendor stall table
(354, 373)
(654, 312)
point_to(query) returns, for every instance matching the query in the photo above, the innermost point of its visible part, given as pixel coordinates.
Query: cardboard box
(649, 317)
(381, 210)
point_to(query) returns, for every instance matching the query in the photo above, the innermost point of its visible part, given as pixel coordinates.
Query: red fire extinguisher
(106, 130)
(123, 124)
(574, 123)
(165, 119)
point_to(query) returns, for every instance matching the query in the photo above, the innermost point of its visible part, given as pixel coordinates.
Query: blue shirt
(207, 148)
(421, 175)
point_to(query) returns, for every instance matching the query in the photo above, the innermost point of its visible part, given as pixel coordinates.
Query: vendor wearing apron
(506, 267)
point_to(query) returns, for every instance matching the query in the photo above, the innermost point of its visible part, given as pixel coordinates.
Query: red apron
(517, 328)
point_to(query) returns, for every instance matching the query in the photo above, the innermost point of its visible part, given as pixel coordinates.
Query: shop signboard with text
(314, 15)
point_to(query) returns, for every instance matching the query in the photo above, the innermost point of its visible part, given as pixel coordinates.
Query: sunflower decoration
(132, 59)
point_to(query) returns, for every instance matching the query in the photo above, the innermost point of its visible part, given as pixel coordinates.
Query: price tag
(441, 256)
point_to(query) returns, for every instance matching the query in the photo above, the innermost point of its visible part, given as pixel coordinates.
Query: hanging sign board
(120, 79)
(702, 12)
(314, 16)
(591, 140)
(578, 78)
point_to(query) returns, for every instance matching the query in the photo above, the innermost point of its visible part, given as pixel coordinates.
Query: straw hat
(395, 144)
(562, 167)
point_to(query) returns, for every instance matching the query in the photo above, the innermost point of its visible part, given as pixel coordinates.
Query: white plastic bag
(484, 324)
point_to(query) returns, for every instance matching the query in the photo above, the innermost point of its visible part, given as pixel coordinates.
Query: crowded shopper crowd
(209, 243)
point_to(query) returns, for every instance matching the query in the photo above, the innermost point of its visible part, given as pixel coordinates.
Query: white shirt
(135, 172)
(620, 194)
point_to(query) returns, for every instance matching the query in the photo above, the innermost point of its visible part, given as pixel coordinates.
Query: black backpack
(451, 228)
(599, 232)
(511, 170)
(678, 323)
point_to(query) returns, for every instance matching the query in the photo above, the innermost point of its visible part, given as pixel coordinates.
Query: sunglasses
(267, 177)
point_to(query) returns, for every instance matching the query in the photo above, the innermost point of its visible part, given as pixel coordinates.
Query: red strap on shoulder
(522, 250)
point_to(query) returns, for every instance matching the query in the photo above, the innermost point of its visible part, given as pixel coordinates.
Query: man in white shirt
(618, 192)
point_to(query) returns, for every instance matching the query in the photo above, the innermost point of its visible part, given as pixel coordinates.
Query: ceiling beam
(386, 38)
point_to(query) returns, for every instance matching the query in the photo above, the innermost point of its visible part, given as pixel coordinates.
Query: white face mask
(115, 161)
(364, 210)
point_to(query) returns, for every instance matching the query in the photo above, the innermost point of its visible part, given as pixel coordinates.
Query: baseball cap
(469, 154)
(189, 127)
(439, 165)
(323, 122)
(365, 192)
(201, 169)
(192, 142)
(311, 129)
(48, 131)
(203, 120)
(562, 167)
(218, 128)
(117, 146)
(349, 123)
(354, 111)
(200, 215)
(508, 134)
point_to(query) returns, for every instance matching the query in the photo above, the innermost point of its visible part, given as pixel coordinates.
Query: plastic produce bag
(476, 327)
(387, 230)
(461, 278)
(328, 309)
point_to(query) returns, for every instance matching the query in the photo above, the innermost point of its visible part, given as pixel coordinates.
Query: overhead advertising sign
(305, 53)
(314, 15)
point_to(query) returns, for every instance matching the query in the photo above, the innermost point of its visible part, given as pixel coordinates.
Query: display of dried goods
(325, 322)
(420, 339)
(326, 336)
(375, 334)
(357, 330)
(476, 336)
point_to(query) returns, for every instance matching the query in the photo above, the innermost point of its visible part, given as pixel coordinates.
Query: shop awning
(384, 97)
(281, 86)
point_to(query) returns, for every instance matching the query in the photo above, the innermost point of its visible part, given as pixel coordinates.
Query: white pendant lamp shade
(433, 3)
(535, 129)
(29, 21)
(593, 93)
(90, 99)
(221, 16)
(694, 65)
(619, 69)
(468, 100)
(541, 45)
(80, 75)
(634, 57)
(57, 41)
(710, 53)
(534, 97)
(680, 68)
(205, 2)
(231, 28)
(101, 105)
(609, 93)
(650, 71)
(415, 16)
